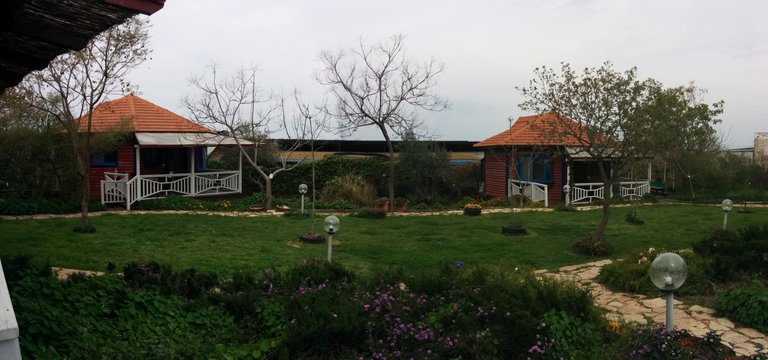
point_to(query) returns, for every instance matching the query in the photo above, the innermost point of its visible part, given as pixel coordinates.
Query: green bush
(631, 275)
(566, 336)
(370, 213)
(633, 218)
(337, 205)
(372, 170)
(565, 208)
(350, 187)
(188, 284)
(96, 317)
(746, 305)
(31, 206)
(733, 254)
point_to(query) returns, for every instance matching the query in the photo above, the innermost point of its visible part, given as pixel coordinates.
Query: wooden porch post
(192, 164)
(240, 174)
(650, 163)
(568, 165)
(138, 160)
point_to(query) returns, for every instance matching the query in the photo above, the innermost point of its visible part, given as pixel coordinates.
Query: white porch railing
(583, 193)
(634, 189)
(9, 328)
(113, 188)
(537, 192)
(116, 188)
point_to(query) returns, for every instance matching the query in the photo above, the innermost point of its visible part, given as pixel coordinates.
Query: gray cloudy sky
(488, 48)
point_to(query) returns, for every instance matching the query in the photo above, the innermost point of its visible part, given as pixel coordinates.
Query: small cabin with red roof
(163, 153)
(528, 159)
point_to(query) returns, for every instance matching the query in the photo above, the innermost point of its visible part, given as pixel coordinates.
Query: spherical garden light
(302, 190)
(567, 191)
(331, 226)
(668, 273)
(727, 206)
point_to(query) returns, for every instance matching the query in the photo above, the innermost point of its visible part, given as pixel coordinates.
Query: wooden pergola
(33, 32)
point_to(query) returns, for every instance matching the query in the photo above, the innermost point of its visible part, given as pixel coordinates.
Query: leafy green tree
(605, 110)
(687, 136)
(422, 165)
(35, 160)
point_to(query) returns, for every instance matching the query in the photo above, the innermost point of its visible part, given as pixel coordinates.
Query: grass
(223, 244)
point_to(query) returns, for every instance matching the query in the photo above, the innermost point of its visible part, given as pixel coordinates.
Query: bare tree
(74, 83)
(235, 104)
(605, 111)
(379, 86)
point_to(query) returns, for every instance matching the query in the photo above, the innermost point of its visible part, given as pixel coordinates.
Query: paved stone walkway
(641, 309)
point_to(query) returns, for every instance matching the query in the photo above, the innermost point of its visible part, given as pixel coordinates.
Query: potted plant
(401, 204)
(633, 219)
(312, 238)
(256, 208)
(383, 203)
(473, 209)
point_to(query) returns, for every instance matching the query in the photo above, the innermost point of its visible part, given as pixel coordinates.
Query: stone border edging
(640, 309)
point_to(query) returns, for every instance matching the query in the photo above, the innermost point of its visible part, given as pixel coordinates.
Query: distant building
(760, 155)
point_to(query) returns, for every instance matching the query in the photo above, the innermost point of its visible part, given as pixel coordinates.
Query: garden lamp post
(668, 273)
(302, 191)
(331, 227)
(726, 205)
(567, 191)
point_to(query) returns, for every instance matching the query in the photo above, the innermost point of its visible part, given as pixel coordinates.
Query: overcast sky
(488, 48)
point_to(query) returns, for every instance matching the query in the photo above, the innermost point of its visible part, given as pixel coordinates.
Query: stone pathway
(641, 309)
(64, 274)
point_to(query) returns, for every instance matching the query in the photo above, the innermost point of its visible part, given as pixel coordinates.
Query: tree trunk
(391, 177)
(599, 234)
(85, 189)
(602, 225)
(268, 195)
(690, 186)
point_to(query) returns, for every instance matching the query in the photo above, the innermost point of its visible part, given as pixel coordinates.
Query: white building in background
(760, 152)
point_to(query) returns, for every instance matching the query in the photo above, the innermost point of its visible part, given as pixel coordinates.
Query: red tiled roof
(134, 114)
(534, 130)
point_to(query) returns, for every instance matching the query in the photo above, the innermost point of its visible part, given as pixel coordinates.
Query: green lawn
(222, 243)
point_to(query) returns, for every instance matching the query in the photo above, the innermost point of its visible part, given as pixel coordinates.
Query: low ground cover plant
(746, 305)
(322, 310)
(30, 206)
(735, 254)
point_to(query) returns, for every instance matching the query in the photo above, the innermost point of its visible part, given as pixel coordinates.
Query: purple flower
(459, 264)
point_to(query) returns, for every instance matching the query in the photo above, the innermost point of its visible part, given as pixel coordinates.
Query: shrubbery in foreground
(315, 310)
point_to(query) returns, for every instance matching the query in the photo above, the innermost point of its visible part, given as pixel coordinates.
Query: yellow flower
(614, 326)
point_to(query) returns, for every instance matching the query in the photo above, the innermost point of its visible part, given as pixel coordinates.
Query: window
(104, 159)
(535, 167)
(150, 157)
(201, 157)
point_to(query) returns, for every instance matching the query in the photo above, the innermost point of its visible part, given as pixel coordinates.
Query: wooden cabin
(163, 153)
(528, 159)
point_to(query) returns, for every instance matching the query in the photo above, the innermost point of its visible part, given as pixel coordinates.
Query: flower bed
(473, 209)
(312, 238)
